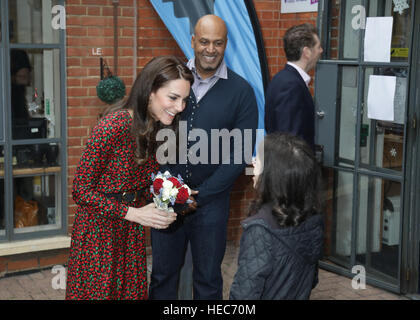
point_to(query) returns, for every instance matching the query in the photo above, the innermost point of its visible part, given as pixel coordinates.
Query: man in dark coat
(289, 105)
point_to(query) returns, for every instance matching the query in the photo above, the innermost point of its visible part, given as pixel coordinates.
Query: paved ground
(39, 285)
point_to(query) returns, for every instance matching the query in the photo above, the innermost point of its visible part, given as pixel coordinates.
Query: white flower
(174, 192)
(167, 184)
(166, 193)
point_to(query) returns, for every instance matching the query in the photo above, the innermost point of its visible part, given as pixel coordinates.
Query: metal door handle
(320, 114)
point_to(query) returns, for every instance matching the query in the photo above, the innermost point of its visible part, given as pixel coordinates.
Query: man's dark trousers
(209, 220)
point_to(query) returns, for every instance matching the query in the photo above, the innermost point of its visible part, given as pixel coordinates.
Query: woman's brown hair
(155, 75)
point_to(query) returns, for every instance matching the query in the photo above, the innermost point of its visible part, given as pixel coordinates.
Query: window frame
(2, 65)
(3, 232)
(9, 143)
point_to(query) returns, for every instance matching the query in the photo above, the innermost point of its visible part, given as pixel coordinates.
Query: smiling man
(209, 43)
(219, 99)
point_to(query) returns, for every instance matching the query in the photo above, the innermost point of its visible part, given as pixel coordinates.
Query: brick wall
(31, 261)
(274, 25)
(90, 26)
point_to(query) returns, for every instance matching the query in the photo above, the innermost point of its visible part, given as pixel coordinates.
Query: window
(346, 21)
(32, 170)
(35, 93)
(30, 21)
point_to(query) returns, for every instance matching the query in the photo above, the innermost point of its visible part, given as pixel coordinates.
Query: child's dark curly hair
(290, 180)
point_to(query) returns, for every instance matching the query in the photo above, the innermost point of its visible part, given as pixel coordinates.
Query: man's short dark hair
(298, 37)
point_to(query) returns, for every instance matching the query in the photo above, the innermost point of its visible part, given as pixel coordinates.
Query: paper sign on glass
(291, 6)
(378, 38)
(381, 97)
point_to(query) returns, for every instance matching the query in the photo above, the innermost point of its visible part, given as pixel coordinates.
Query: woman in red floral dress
(108, 256)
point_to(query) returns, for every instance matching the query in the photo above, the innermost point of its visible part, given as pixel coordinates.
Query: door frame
(408, 264)
(410, 280)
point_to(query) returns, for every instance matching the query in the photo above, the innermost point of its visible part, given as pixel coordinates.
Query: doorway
(370, 163)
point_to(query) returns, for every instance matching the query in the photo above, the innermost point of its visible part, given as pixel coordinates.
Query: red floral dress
(108, 256)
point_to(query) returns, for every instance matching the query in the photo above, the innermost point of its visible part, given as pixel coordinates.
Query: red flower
(182, 196)
(175, 182)
(157, 185)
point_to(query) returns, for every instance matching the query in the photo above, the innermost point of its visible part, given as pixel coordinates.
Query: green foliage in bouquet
(110, 89)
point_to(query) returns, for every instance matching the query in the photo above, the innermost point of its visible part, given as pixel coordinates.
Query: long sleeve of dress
(94, 161)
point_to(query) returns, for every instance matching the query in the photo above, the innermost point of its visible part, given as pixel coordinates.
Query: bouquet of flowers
(169, 190)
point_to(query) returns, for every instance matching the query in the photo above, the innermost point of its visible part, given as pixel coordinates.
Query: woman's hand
(150, 216)
(190, 207)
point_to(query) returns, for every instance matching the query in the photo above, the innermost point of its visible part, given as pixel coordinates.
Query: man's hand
(188, 207)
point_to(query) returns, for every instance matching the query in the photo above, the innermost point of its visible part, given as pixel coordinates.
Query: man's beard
(209, 68)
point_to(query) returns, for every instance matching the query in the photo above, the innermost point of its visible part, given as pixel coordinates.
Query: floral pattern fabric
(108, 255)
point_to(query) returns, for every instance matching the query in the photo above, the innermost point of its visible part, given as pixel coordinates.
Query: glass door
(366, 155)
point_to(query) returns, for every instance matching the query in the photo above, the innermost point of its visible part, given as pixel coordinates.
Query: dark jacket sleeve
(225, 175)
(254, 264)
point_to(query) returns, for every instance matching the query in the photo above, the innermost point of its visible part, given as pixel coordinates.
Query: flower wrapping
(168, 190)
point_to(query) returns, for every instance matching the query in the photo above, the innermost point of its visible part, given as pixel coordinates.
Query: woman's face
(169, 100)
(22, 77)
(258, 168)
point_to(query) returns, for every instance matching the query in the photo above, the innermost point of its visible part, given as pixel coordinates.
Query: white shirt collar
(306, 77)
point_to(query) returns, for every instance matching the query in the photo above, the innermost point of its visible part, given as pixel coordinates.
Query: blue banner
(242, 54)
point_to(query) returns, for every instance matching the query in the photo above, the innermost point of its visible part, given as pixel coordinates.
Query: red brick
(54, 257)
(77, 92)
(22, 262)
(93, 11)
(96, 2)
(3, 266)
(74, 122)
(76, 31)
(75, 10)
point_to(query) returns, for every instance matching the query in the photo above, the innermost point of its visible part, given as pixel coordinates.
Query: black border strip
(260, 42)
